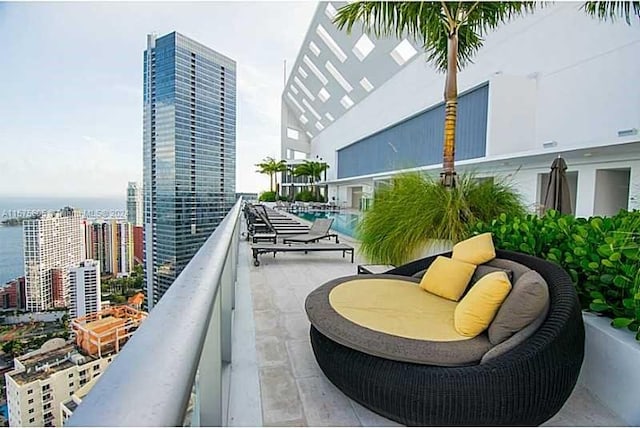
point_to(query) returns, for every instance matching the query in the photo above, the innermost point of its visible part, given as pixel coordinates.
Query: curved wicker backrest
(564, 311)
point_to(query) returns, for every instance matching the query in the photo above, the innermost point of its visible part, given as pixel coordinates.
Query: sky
(71, 87)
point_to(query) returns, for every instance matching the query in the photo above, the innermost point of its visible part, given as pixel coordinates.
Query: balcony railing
(182, 348)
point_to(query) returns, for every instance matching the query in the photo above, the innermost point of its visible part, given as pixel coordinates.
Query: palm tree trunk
(451, 110)
(271, 181)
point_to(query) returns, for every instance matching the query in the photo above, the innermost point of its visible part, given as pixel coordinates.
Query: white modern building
(556, 82)
(84, 287)
(53, 243)
(134, 203)
(42, 380)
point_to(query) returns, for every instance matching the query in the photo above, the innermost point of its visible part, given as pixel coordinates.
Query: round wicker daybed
(526, 385)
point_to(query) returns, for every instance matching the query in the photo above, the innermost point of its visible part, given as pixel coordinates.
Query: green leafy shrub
(304, 196)
(416, 210)
(601, 254)
(267, 197)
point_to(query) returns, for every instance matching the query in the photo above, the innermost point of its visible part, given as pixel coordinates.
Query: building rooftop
(39, 365)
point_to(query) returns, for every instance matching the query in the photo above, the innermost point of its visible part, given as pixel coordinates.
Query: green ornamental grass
(416, 211)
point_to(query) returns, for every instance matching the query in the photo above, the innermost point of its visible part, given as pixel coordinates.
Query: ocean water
(11, 257)
(11, 246)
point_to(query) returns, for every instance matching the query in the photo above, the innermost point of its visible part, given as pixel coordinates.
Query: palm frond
(612, 10)
(431, 23)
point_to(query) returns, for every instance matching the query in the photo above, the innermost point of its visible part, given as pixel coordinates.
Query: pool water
(4, 411)
(342, 222)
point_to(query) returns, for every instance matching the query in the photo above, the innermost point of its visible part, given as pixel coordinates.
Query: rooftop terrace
(293, 389)
(271, 378)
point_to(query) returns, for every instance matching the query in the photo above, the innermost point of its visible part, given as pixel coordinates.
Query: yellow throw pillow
(447, 278)
(477, 309)
(476, 250)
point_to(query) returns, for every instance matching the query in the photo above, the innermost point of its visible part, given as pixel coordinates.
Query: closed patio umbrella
(557, 196)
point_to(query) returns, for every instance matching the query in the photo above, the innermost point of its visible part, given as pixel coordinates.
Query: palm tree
(450, 32)
(313, 170)
(271, 166)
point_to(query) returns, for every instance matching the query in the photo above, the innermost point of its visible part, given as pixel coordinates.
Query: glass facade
(189, 153)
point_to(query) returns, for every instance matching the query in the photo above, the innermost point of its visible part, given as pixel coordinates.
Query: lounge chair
(258, 249)
(319, 230)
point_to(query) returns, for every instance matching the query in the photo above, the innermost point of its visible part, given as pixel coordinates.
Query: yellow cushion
(396, 307)
(476, 250)
(477, 309)
(447, 278)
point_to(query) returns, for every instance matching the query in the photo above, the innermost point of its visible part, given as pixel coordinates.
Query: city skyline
(89, 105)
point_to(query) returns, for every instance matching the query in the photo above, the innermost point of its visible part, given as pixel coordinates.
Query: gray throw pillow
(518, 269)
(526, 301)
(419, 274)
(483, 270)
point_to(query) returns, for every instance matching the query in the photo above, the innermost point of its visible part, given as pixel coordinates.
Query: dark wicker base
(525, 386)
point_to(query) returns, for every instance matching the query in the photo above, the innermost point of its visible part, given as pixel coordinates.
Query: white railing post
(209, 390)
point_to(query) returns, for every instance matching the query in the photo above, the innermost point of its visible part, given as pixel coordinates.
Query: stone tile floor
(293, 390)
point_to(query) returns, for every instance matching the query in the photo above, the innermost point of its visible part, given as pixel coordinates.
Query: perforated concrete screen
(335, 71)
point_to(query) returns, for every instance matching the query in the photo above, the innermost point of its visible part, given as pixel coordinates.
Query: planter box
(610, 368)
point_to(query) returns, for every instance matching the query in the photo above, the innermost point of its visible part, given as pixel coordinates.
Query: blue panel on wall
(417, 141)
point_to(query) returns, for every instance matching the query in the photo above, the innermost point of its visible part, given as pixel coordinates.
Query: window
(315, 70)
(29, 391)
(302, 72)
(314, 48)
(319, 126)
(293, 133)
(403, 52)
(333, 46)
(31, 410)
(339, 78)
(304, 88)
(324, 95)
(346, 102)
(330, 11)
(47, 406)
(30, 401)
(70, 384)
(96, 366)
(294, 90)
(32, 420)
(303, 119)
(309, 134)
(329, 117)
(366, 85)
(363, 47)
(70, 375)
(311, 109)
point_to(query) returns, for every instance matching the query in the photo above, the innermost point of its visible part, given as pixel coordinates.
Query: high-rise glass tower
(189, 153)
(134, 204)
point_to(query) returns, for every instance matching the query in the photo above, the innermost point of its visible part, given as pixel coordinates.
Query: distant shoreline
(13, 222)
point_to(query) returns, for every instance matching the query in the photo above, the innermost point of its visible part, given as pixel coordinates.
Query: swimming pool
(4, 411)
(342, 222)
